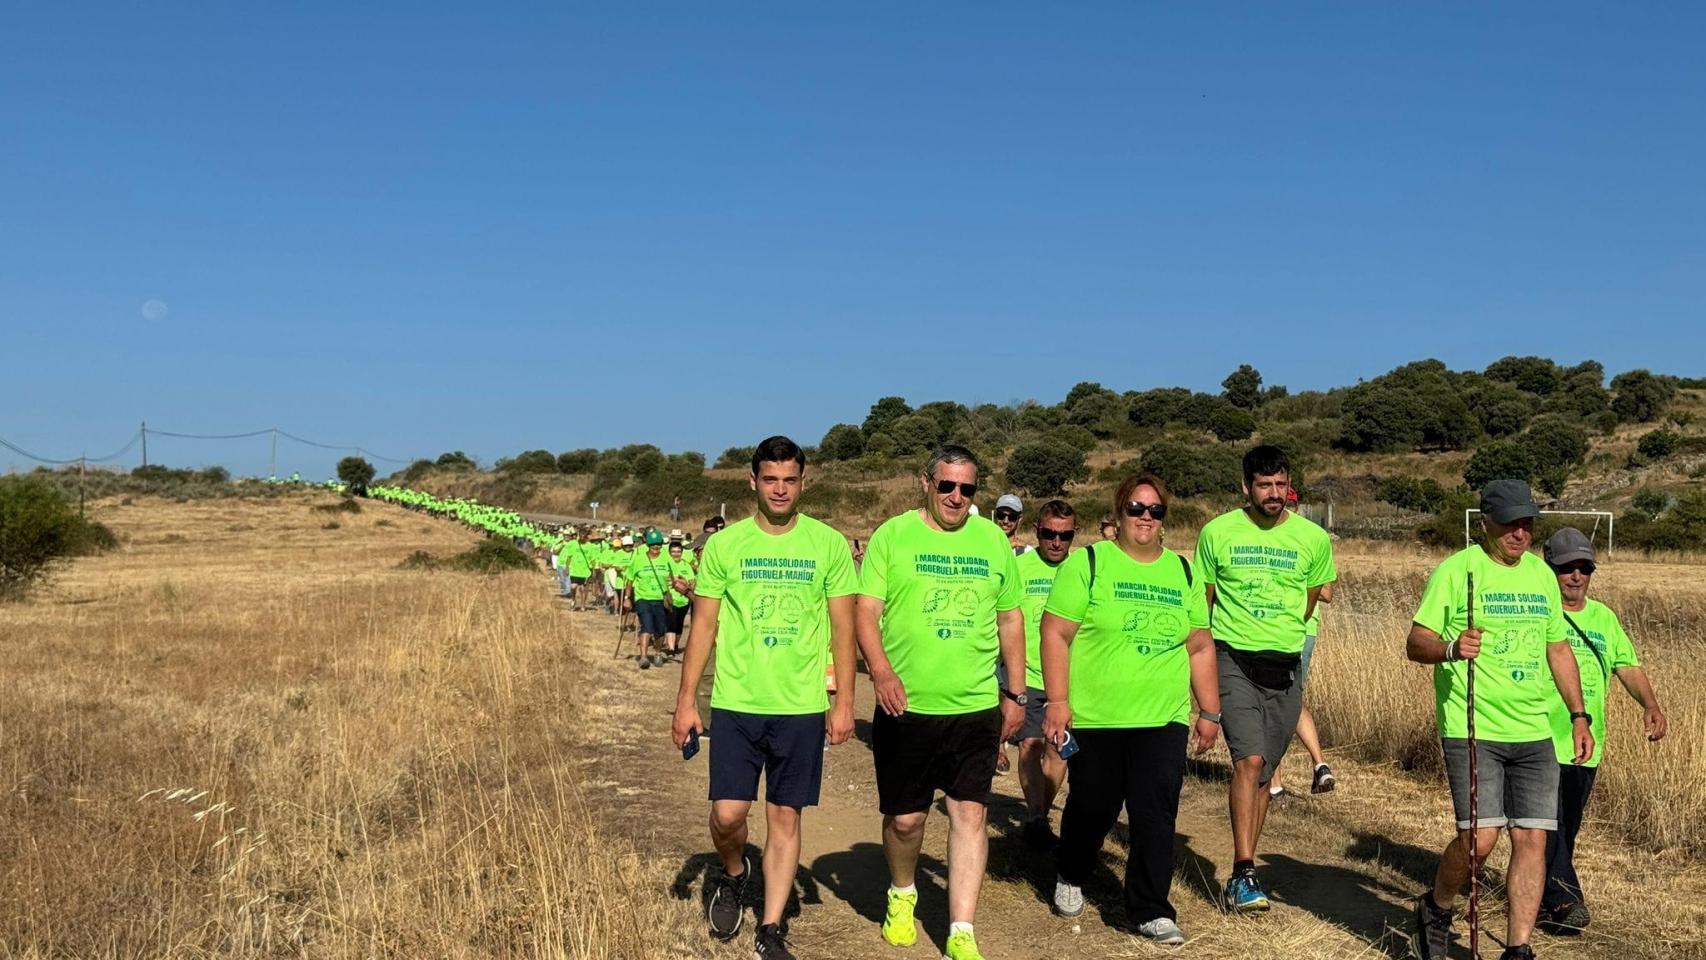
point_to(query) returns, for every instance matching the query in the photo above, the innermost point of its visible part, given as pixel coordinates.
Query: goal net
(1599, 525)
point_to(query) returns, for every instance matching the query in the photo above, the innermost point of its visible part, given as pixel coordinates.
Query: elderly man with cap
(648, 580)
(1602, 650)
(1496, 609)
(1008, 510)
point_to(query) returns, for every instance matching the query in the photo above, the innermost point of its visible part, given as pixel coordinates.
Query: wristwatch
(1019, 698)
(1582, 715)
(1211, 717)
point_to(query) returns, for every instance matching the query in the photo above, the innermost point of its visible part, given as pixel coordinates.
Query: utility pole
(145, 443)
(273, 470)
(82, 465)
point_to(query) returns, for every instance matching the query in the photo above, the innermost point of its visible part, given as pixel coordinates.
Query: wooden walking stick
(1474, 796)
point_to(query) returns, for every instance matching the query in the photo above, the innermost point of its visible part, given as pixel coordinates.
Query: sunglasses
(1006, 515)
(967, 490)
(1135, 509)
(1580, 566)
(1043, 534)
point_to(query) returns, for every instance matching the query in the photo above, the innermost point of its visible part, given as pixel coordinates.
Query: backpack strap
(1190, 581)
(1603, 670)
(1090, 555)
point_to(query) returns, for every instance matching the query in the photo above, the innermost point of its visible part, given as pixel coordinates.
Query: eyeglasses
(1135, 509)
(1579, 566)
(967, 490)
(1046, 534)
(1006, 515)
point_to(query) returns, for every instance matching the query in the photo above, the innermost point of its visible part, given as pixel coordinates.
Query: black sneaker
(770, 944)
(1038, 835)
(1565, 921)
(1433, 929)
(727, 907)
(1521, 951)
(1323, 781)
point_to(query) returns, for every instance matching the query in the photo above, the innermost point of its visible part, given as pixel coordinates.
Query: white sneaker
(1163, 931)
(1068, 899)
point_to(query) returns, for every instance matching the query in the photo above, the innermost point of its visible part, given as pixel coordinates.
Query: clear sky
(419, 227)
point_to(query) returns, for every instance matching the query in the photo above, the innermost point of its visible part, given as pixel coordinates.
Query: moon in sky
(153, 309)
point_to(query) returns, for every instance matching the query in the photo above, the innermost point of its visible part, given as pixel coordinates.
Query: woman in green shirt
(1125, 643)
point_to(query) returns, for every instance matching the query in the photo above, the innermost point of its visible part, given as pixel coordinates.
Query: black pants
(1563, 887)
(1141, 769)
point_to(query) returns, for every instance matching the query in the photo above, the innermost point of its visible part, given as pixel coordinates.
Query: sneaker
(1068, 899)
(1521, 951)
(962, 946)
(1565, 921)
(1433, 929)
(770, 944)
(1038, 835)
(1324, 781)
(1244, 894)
(1163, 931)
(727, 908)
(898, 927)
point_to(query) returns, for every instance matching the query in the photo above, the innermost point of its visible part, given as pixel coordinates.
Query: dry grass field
(249, 734)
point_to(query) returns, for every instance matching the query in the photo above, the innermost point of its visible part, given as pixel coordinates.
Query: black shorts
(677, 618)
(788, 748)
(576, 581)
(917, 754)
(653, 621)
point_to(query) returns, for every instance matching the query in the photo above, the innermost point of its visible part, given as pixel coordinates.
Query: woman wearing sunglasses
(1125, 644)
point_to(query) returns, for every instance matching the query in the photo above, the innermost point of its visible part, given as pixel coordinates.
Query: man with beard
(1264, 568)
(939, 599)
(775, 596)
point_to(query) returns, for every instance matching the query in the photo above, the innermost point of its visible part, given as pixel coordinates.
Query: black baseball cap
(1508, 501)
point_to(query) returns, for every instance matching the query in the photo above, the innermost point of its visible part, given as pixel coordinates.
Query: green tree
(1193, 469)
(914, 433)
(1658, 444)
(1499, 460)
(1553, 443)
(884, 412)
(38, 527)
(1243, 387)
(736, 457)
(583, 460)
(844, 441)
(1411, 493)
(456, 460)
(1640, 397)
(1073, 436)
(532, 461)
(356, 472)
(1536, 375)
(1156, 408)
(1044, 468)
(1229, 423)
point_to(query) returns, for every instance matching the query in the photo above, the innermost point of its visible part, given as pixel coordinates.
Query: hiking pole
(621, 630)
(1474, 794)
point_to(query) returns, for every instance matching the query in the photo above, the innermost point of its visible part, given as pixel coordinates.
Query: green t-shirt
(1129, 665)
(1611, 651)
(573, 555)
(649, 575)
(773, 615)
(940, 593)
(1262, 578)
(1036, 579)
(1519, 612)
(680, 568)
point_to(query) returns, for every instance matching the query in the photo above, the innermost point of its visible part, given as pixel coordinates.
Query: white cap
(1011, 502)
(627, 541)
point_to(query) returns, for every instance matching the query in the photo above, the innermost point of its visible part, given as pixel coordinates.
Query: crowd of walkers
(1105, 666)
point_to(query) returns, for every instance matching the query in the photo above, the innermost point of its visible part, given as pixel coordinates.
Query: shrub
(37, 529)
(1415, 407)
(356, 472)
(1194, 469)
(1499, 460)
(1229, 423)
(736, 457)
(343, 505)
(1536, 375)
(217, 475)
(647, 463)
(531, 461)
(1682, 528)
(1411, 493)
(1658, 444)
(914, 433)
(884, 412)
(584, 460)
(1639, 396)
(1043, 469)
(456, 460)
(1445, 527)
(490, 556)
(1605, 421)
(412, 474)
(91, 538)
(844, 441)
(1073, 436)
(1156, 408)
(1553, 443)
(331, 525)
(1649, 502)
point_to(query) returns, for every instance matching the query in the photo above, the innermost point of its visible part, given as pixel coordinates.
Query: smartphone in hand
(1067, 746)
(691, 747)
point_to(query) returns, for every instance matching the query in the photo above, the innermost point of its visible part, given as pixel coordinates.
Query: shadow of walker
(859, 876)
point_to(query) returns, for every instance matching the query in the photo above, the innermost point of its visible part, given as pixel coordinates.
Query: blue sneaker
(1245, 895)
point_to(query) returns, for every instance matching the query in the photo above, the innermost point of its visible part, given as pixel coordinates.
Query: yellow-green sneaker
(898, 928)
(962, 946)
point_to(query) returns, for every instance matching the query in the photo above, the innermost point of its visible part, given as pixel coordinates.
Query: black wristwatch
(1019, 698)
(1582, 715)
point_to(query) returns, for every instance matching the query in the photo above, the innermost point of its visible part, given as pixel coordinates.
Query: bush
(1156, 408)
(1445, 527)
(344, 505)
(456, 460)
(1411, 493)
(1229, 423)
(1194, 469)
(1074, 436)
(1044, 469)
(1639, 396)
(584, 460)
(1499, 460)
(491, 556)
(1415, 407)
(531, 461)
(736, 457)
(1658, 444)
(844, 441)
(356, 472)
(1682, 528)
(884, 412)
(1553, 443)
(38, 528)
(1605, 421)
(914, 433)
(1536, 375)
(1650, 503)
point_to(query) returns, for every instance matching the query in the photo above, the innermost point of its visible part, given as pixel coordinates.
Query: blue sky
(418, 228)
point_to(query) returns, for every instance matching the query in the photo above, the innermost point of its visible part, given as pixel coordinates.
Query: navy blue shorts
(788, 748)
(653, 620)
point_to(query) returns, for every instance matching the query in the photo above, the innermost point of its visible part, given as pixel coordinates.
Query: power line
(212, 436)
(141, 436)
(56, 462)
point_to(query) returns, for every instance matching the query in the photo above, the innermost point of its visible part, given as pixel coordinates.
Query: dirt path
(1342, 868)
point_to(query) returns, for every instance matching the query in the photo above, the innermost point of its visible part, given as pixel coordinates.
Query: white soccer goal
(1603, 522)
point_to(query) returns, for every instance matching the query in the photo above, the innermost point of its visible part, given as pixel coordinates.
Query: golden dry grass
(247, 736)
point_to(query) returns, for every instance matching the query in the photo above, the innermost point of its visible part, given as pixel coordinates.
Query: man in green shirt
(1511, 632)
(1602, 650)
(939, 599)
(1263, 568)
(775, 596)
(1041, 771)
(647, 582)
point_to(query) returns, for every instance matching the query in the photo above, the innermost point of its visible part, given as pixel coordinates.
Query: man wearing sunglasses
(1041, 771)
(1602, 650)
(939, 599)
(1264, 569)
(1009, 509)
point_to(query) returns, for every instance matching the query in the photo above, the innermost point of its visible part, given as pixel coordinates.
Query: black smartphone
(691, 747)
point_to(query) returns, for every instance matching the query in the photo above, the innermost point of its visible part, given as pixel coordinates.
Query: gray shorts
(1032, 727)
(1303, 664)
(1256, 721)
(1518, 788)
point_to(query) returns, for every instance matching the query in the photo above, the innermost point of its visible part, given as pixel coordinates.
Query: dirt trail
(1342, 868)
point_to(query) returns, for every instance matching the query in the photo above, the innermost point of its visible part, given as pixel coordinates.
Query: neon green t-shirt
(940, 593)
(680, 568)
(1262, 578)
(1519, 612)
(773, 592)
(1611, 650)
(1036, 579)
(574, 556)
(1129, 664)
(649, 575)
